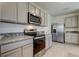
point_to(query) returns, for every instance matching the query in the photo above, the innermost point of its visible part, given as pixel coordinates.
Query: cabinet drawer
(5, 48)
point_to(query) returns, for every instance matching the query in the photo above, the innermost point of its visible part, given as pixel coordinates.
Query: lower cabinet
(68, 37)
(75, 39)
(72, 38)
(14, 53)
(24, 51)
(48, 41)
(28, 51)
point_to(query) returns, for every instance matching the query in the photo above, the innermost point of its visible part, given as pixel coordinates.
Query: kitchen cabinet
(18, 48)
(46, 19)
(28, 50)
(78, 21)
(32, 8)
(22, 12)
(13, 53)
(9, 11)
(42, 17)
(48, 41)
(75, 21)
(71, 21)
(68, 22)
(72, 38)
(0, 11)
(68, 37)
(75, 39)
(37, 12)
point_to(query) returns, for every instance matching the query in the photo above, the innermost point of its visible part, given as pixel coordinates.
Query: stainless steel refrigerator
(57, 31)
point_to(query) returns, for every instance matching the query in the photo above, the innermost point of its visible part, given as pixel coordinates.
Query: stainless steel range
(38, 42)
(39, 45)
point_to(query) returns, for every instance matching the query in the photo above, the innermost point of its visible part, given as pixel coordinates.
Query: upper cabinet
(42, 17)
(0, 10)
(22, 12)
(71, 21)
(78, 21)
(38, 12)
(17, 12)
(75, 21)
(68, 22)
(9, 11)
(46, 19)
(31, 8)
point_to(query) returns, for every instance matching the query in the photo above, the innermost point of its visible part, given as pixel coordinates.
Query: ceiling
(59, 8)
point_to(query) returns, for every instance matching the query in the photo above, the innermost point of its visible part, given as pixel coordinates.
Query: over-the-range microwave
(32, 19)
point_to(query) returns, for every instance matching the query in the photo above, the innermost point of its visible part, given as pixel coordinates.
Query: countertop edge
(15, 41)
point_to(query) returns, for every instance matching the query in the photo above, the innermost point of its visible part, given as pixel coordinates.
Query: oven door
(39, 44)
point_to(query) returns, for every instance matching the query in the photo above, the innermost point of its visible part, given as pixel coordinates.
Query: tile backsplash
(13, 28)
(10, 35)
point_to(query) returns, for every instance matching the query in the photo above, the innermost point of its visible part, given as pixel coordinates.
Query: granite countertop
(14, 39)
(72, 31)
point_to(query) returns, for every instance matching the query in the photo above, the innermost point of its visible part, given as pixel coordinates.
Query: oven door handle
(40, 37)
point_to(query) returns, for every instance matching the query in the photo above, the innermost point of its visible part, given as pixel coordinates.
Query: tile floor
(62, 50)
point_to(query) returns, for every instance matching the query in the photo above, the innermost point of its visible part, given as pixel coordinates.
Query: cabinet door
(68, 38)
(78, 21)
(42, 18)
(46, 19)
(28, 51)
(37, 12)
(68, 22)
(31, 8)
(0, 11)
(9, 11)
(75, 39)
(14, 53)
(74, 21)
(22, 12)
(48, 41)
